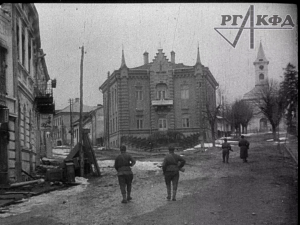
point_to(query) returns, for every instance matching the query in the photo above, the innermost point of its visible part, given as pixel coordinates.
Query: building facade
(25, 91)
(94, 123)
(158, 96)
(63, 119)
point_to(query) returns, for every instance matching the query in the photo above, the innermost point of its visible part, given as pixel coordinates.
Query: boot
(124, 198)
(169, 193)
(128, 196)
(174, 195)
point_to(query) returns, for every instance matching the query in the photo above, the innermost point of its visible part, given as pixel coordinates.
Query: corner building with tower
(158, 96)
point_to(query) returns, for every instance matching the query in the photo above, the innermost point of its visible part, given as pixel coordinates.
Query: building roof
(261, 54)
(76, 108)
(253, 93)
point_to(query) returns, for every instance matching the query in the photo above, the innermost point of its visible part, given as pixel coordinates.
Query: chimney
(146, 58)
(76, 99)
(173, 57)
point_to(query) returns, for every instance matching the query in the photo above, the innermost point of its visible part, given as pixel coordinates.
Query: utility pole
(107, 110)
(223, 119)
(71, 123)
(81, 155)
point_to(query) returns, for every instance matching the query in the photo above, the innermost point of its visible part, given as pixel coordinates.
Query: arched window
(161, 91)
(263, 125)
(261, 76)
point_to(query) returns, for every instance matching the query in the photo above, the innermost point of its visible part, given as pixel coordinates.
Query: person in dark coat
(171, 165)
(244, 146)
(226, 147)
(123, 164)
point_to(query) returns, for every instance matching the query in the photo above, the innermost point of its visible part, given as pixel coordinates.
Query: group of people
(171, 166)
(244, 146)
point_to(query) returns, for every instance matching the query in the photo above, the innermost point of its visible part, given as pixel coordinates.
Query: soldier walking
(171, 165)
(226, 147)
(244, 146)
(123, 164)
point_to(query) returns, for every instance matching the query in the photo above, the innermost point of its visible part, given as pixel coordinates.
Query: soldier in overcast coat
(244, 146)
(123, 164)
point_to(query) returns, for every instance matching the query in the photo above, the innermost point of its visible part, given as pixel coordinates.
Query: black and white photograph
(149, 113)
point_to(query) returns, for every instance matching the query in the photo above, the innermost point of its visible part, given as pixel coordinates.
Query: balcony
(162, 105)
(162, 102)
(44, 99)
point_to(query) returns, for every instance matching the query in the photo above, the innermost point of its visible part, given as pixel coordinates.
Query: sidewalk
(10, 196)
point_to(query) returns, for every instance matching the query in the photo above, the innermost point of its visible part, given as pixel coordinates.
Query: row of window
(162, 123)
(22, 46)
(161, 93)
(26, 127)
(57, 121)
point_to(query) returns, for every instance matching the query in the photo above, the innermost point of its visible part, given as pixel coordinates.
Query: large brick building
(158, 96)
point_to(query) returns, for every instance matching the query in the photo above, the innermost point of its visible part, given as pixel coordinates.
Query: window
(161, 91)
(139, 95)
(185, 122)
(162, 124)
(139, 123)
(18, 43)
(2, 71)
(184, 96)
(23, 50)
(184, 92)
(261, 76)
(29, 55)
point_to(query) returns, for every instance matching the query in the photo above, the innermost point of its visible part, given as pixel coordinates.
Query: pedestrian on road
(226, 148)
(244, 146)
(171, 165)
(123, 164)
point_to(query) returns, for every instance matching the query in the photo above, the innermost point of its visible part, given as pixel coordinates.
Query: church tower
(261, 67)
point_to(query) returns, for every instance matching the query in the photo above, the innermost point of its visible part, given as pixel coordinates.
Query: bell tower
(261, 67)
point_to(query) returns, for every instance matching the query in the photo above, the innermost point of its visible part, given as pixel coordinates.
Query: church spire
(261, 54)
(123, 63)
(198, 56)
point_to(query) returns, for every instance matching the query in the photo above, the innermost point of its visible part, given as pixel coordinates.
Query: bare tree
(271, 104)
(211, 116)
(239, 114)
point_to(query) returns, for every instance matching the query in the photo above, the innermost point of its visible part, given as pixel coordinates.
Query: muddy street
(263, 191)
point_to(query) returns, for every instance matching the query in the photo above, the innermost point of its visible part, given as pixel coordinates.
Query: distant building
(62, 122)
(223, 127)
(94, 122)
(25, 91)
(259, 122)
(158, 96)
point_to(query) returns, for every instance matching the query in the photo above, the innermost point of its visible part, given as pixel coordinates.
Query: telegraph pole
(81, 155)
(71, 123)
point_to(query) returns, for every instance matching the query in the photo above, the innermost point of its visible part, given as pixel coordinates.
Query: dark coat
(123, 162)
(172, 163)
(244, 146)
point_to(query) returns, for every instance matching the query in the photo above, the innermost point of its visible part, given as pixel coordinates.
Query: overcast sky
(104, 28)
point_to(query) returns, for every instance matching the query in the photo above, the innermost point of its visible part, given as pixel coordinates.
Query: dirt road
(262, 191)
